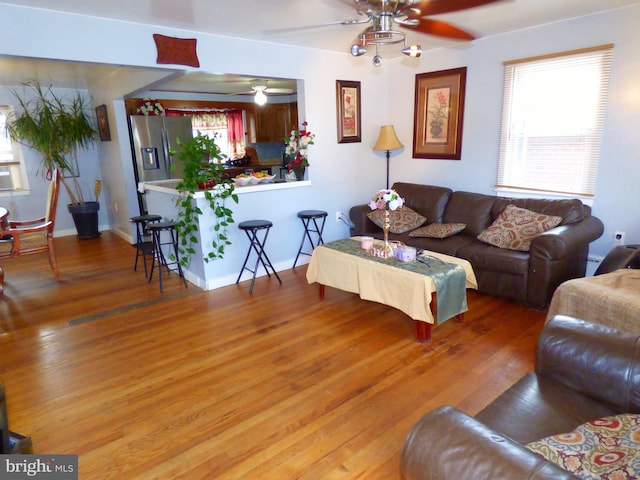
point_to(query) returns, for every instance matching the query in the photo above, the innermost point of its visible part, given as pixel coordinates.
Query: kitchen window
(224, 127)
(13, 176)
(553, 110)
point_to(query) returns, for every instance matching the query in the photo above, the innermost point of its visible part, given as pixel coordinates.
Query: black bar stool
(144, 240)
(170, 241)
(308, 216)
(252, 228)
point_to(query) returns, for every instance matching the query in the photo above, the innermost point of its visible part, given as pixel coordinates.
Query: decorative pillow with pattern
(516, 227)
(606, 448)
(438, 230)
(402, 219)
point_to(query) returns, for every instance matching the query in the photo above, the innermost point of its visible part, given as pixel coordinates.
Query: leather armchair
(583, 371)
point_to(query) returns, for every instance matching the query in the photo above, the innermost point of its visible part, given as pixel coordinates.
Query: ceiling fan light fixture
(413, 51)
(260, 97)
(377, 60)
(357, 50)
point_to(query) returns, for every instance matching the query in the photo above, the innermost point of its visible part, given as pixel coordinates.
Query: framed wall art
(178, 51)
(439, 114)
(348, 108)
(103, 123)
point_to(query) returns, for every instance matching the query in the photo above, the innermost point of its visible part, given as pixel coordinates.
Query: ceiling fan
(409, 14)
(261, 89)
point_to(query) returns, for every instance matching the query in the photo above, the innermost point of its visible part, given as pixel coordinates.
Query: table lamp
(387, 140)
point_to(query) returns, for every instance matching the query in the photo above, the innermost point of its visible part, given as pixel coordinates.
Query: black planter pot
(85, 216)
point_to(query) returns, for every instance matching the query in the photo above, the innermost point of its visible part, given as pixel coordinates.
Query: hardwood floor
(226, 385)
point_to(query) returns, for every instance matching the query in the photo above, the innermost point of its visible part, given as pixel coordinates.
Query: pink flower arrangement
(386, 200)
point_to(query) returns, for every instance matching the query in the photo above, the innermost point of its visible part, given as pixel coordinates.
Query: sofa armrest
(557, 242)
(361, 223)
(598, 361)
(557, 256)
(448, 444)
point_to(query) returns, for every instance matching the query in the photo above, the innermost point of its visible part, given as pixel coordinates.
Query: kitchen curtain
(217, 125)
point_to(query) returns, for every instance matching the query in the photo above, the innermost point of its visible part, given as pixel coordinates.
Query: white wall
(615, 202)
(345, 174)
(341, 175)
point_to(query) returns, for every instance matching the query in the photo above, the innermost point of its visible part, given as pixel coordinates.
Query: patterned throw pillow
(516, 227)
(402, 219)
(603, 448)
(438, 230)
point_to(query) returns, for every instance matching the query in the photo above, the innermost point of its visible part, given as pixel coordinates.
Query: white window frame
(12, 159)
(532, 152)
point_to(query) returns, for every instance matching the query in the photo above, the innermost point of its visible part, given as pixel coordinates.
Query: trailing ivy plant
(201, 173)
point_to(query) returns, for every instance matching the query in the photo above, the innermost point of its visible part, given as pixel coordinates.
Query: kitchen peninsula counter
(276, 202)
(169, 186)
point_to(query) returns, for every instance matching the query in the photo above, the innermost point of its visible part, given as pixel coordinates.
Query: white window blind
(12, 173)
(553, 110)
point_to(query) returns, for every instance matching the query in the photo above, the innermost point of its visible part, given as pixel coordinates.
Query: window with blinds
(553, 109)
(12, 173)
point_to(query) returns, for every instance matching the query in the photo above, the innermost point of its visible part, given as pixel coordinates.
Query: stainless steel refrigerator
(151, 139)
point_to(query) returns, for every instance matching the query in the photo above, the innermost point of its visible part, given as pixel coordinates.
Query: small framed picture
(348, 110)
(103, 123)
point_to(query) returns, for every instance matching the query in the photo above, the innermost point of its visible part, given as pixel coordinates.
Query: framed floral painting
(348, 109)
(439, 114)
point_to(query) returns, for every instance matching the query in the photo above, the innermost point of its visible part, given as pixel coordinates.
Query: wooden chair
(34, 236)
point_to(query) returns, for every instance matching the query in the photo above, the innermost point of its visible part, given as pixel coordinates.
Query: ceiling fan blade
(347, 21)
(440, 29)
(282, 91)
(435, 7)
(242, 93)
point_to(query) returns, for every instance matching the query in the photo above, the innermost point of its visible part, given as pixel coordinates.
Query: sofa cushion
(605, 448)
(402, 219)
(571, 211)
(516, 227)
(472, 209)
(448, 246)
(438, 230)
(428, 200)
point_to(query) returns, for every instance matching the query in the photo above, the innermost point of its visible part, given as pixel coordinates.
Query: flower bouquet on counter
(296, 146)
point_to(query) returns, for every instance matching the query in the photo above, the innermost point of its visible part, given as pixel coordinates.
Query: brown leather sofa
(584, 371)
(555, 256)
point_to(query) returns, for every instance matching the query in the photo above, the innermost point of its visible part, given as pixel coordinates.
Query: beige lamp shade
(387, 140)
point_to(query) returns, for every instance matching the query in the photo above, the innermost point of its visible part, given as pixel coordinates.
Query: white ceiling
(282, 21)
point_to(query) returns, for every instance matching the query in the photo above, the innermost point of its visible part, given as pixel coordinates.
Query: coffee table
(429, 293)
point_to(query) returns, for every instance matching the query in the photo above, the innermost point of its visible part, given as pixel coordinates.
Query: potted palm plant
(56, 128)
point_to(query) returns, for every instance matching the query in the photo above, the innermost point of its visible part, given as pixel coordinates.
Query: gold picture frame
(348, 111)
(439, 114)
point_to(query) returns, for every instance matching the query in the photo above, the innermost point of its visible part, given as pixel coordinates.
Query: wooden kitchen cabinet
(275, 121)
